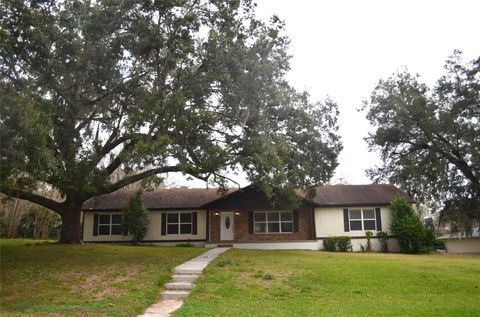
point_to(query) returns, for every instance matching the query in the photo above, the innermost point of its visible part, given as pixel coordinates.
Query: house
(245, 218)
(461, 243)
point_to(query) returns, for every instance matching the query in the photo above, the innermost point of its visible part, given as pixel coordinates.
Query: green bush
(136, 217)
(407, 227)
(438, 244)
(369, 236)
(341, 244)
(383, 237)
(329, 244)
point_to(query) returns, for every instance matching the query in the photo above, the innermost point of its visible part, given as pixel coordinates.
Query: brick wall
(241, 229)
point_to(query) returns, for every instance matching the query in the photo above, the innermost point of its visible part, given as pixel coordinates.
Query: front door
(226, 225)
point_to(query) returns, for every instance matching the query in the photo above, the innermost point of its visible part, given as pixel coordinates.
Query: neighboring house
(245, 218)
(461, 243)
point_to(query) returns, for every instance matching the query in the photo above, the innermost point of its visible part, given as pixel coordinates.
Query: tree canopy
(151, 87)
(430, 138)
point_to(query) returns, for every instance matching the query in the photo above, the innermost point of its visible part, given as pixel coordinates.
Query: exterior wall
(241, 229)
(275, 245)
(470, 245)
(329, 223)
(154, 233)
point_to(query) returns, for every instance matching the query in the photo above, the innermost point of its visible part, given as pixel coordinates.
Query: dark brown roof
(196, 198)
(357, 195)
(172, 198)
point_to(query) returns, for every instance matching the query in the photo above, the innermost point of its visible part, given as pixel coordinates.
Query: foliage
(341, 244)
(330, 244)
(430, 139)
(438, 244)
(407, 227)
(336, 284)
(90, 280)
(136, 217)
(369, 236)
(198, 87)
(383, 237)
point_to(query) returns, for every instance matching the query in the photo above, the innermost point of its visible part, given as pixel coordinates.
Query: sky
(341, 49)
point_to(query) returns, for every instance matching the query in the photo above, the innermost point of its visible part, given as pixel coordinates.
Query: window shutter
(250, 222)
(378, 217)
(346, 225)
(164, 224)
(194, 223)
(295, 221)
(95, 224)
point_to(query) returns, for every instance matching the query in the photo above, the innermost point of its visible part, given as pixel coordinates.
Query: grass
(95, 279)
(308, 283)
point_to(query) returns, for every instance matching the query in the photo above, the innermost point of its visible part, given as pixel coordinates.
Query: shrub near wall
(341, 244)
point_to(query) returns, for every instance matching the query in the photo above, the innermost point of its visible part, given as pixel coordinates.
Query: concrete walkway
(182, 283)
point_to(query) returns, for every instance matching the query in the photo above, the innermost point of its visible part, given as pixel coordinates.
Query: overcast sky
(342, 49)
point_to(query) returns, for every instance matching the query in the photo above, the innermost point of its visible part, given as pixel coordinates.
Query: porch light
(237, 214)
(216, 214)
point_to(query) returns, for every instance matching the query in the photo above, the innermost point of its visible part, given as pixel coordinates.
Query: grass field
(90, 280)
(303, 283)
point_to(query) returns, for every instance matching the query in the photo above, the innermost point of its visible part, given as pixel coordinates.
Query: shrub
(438, 244)
(136, 217)
(406, 225)
(383, 237)
(369, 235)
(329, 244)
(343, 244)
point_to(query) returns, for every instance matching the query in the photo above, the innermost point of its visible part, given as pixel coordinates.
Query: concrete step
(179, 286)
(185, 277)
(169, 294)
(188, 271)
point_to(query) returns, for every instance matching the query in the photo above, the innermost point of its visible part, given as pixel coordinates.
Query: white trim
(362, 219)
(283, 245)
(179, 223)
(266, 222)
(110, 224)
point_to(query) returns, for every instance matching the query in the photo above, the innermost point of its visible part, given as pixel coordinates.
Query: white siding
(329, 223)
(471, 245)
(154, 229)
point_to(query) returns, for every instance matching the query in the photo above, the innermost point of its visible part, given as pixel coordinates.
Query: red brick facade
(241, 228)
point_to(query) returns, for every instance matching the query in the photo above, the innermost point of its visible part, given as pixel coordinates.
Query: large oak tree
(430, 138)
(89, 88)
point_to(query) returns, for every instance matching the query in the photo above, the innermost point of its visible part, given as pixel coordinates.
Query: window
(362, 219)
(110, 224)
(273, 222)
(179, 223)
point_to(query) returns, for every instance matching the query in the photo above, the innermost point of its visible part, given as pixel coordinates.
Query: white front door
(226, 225)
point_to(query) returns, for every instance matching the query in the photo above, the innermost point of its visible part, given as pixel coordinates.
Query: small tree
(406, 225)
(136, 217)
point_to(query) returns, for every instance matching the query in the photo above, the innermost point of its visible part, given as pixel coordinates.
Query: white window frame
(109, 225)
(179, 223)
(266, 222)
(362, 219)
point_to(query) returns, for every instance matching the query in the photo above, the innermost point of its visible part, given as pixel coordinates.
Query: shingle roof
(172, 198)
(195, 198)
(357, 195)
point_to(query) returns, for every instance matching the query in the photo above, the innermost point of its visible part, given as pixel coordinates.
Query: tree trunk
(71, 223)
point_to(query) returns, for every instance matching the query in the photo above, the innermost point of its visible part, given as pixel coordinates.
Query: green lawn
(90, 280)
(303, 283)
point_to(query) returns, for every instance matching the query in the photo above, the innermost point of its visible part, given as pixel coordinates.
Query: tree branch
(137, 177)
(37, 199)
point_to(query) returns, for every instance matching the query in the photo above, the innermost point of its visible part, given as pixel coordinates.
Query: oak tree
(429, 139)
(150, 87)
